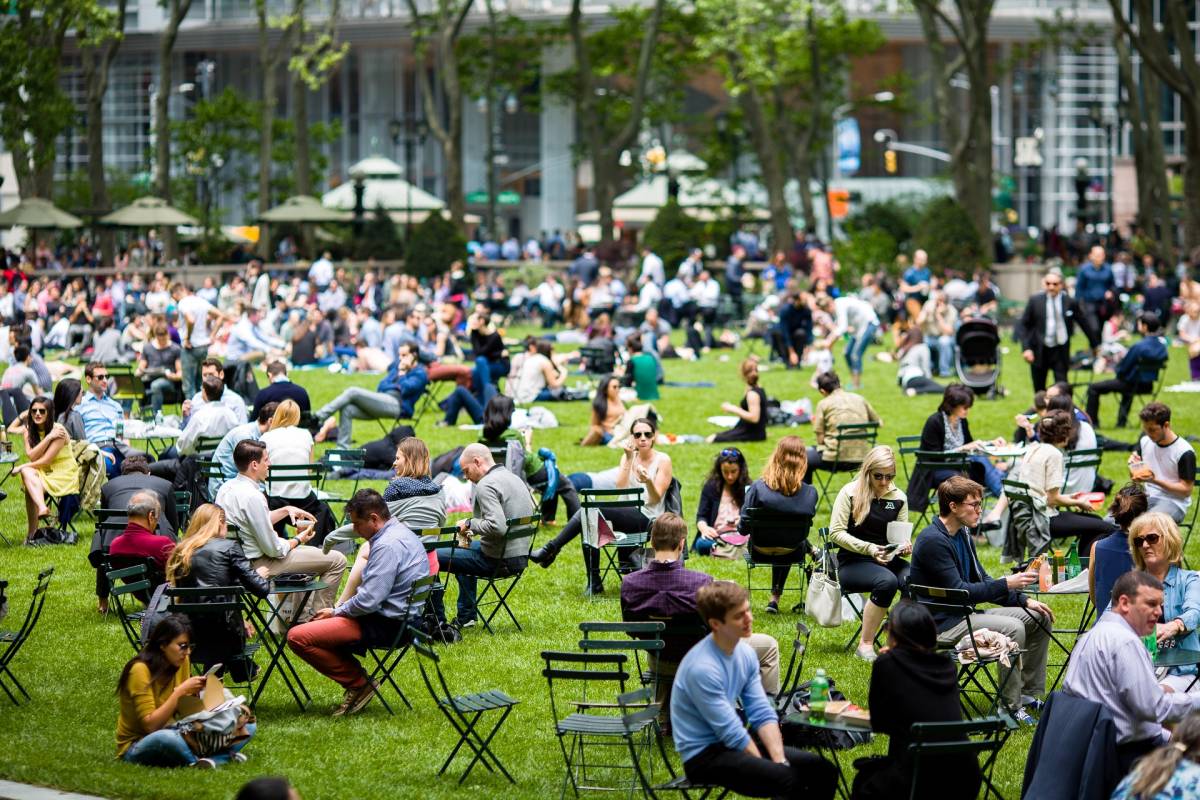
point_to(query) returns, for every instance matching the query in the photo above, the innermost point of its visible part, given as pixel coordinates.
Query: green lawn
(64, 737)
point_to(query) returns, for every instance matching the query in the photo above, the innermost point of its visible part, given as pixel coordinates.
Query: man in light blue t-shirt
(710, 737)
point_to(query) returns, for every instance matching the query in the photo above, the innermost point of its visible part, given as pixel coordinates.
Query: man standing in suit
(135, 477)
(1046, 328)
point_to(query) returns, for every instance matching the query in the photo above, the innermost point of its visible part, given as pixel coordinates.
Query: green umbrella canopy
(148, 212)
(304, 208)
(35, 212)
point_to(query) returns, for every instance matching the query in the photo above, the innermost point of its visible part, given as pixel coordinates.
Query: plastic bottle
(818, 696)
(1060, 566)
(1044, 577)
(1151, 642)
(120, 429)
(158, 418)
(1074, 565)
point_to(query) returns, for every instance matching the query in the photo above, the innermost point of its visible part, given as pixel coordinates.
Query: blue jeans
(189, 362)
(462, 400)
(858, 346)
(486, 373)
(467, 564)
(993, 479)
(944, 347)
(167, 748)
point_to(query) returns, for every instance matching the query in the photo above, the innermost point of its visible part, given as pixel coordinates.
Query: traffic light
(889, 162)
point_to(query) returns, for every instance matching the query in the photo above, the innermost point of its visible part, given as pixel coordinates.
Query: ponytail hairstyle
(1154, 770)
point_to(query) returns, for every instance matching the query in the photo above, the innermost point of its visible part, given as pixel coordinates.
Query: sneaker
(204, 763)
(866, 653)
(1033, 704)
(772, 606)
(354, 700)
(238, 758)
(462, 624)
(1022, 717)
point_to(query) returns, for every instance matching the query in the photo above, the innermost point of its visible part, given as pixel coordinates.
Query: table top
(311, 586)
(156, 432)
(1033, 590)
(1005, 451)
(802, 718)
(1176, 657)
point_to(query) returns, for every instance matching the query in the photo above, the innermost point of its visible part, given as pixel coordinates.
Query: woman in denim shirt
(1157, 548)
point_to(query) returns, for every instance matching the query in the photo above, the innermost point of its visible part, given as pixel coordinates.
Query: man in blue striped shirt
(710, 737)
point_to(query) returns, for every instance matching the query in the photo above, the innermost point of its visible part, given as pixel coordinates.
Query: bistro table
(276, 643)
(1178, 657)
(1083, 622)
(824, 740)
(158, 438)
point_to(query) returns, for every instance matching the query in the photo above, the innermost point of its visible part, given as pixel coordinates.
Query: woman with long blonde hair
(858, 526)
(782, 489)
(289, 445)
(205, 557)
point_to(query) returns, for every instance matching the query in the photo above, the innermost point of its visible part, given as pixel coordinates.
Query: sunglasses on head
(642, 434)
(1149, 538)
(731, 452)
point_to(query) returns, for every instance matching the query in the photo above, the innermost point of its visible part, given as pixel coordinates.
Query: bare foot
(326, 429)
(102, 606)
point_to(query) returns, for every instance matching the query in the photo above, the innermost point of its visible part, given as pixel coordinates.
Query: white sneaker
(866, 653)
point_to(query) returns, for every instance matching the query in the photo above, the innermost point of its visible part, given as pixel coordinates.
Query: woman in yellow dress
(52, 469)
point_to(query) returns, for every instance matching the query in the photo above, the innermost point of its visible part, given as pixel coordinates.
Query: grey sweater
(499, 496)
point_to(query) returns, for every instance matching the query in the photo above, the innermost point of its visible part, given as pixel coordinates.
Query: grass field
(64, 737)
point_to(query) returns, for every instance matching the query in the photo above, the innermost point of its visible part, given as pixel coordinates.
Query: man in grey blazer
(499, 496)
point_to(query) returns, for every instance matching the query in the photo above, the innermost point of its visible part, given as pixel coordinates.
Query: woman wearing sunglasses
(52, 469)
(858, 526)
(721, 499)
(1157, 548)
(641, 466)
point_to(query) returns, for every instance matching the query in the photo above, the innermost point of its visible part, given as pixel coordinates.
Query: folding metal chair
(430, 398)
(207, 445)
(1148, 383)
(592, 505)
(851, 437)
(501, 583)
(219, 606)
(289, 473)
(183, 509)
(13, 641)
(1021, 510)
(791, 683)
(853, 599)
(334, 459)
(584, 700)
(974, 677)
(124, 584)
(1189, 524)
(388, 656)
(932, 741)
(906, 448)
(776, 539)
(637, 638)
(937, 461)
(1076, 460)
(634, 712)
(464, 712)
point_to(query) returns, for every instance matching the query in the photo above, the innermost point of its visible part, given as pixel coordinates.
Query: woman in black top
(721, 499)
(946, 430)
(205, 558)
(911, 683)
(491, 357)
(752, 412)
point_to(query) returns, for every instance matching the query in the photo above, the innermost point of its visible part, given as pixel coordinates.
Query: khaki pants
(1022, 627)
(329, 567)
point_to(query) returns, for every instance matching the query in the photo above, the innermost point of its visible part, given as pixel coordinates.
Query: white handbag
(823, 601)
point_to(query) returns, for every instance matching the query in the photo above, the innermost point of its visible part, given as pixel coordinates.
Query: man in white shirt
(550, 294)
(333, 298)
(212, 367)
(195, 314)
(652, 269)
(706, 293)
(250, 343)
(851, 315)
(210, 420)
(679, 307)
(246, 509)
(320, 274)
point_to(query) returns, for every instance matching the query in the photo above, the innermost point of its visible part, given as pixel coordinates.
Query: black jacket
(933, 438)
(1074, 752)
(221, 562)
(1031, 329)
(710, 502)
(277, 393)
(934, 563)
(116, 494)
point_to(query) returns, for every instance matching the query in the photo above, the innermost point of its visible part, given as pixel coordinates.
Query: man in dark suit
(281, 389)
(135, 477)
(1045, 331)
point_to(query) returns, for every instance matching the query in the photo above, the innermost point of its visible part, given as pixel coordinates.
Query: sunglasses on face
(881, 476)
(38, 412)
(103, 377)
(643, 434)
(1150, 539)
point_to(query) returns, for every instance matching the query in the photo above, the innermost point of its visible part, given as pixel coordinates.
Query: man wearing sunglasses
(944, 557)
(1045, 330)
(100, 414)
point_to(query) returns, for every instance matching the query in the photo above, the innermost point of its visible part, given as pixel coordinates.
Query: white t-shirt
(1176, 461)
(531, 378)
(197, 309)
(1082, 479)
(286, 447)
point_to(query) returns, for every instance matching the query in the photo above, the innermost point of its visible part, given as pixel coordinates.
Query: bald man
(499, 496)
(139, 540)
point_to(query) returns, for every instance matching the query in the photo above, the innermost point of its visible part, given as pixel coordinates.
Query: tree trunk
(802, 172)
(1141, 109)
(304, 183)
(268, 61)
(770, 166)
(97, 63)
(178, 9)
(1191, 172)
(972, 167)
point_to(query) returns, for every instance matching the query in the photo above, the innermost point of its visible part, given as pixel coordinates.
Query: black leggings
(1087, 527)
(883, 581)
(625, 520)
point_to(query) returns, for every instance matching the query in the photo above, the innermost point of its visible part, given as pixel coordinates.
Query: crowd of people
(250, 520)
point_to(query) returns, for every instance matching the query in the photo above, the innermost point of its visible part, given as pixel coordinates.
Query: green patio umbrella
(35, 212)
(148, 212)
(302, 209)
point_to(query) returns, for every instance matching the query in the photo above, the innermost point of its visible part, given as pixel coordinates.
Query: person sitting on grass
(751, 413)
(373, 616)
(642, 370)
(607, 410)
(721, 499)
(717, 675)
(150, 689)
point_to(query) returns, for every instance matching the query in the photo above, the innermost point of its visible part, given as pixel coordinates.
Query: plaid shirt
(662, 589)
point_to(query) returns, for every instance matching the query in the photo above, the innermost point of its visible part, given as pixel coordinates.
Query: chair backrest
(1148, 370)
(520, 533)
(288, 473)
(32, 614)
(586, 674)
(939, 600)
(207, 444)
(433, 538)
(907, 446)
(336, 458)
(634, 636)
(1080, 459)
(773, 534)
(128, 580)
(932, 742)
(208, 470)
(854, 439)
(1018, 493)
(204, 600)
(939, 460)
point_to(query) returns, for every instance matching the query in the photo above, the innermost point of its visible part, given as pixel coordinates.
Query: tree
(379, 238)
(1139, 103)
(436, 244)
(948, 234)
(969, 140)
(270, 56)
(311, 65)
(215, 146)
(1168, 51)
(609, 128)
(98, 50)
(437, 34)
(673, 234)
(177, 10)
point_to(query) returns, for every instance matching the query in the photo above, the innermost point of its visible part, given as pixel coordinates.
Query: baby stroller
(978, 360)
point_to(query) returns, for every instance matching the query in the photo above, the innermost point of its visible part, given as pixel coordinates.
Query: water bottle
(1151, 642)
(1074, 565)
(818, 695)
(120, 429)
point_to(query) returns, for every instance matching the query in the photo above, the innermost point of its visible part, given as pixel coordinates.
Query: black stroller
(978, 360)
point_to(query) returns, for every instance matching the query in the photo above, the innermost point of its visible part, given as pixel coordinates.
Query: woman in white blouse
(290, 445)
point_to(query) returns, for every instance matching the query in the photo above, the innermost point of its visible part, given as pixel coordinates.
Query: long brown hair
(1154, 770)
(786, 467)
(208, 523)
(416, 458)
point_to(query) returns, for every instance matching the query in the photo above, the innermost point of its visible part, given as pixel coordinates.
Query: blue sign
(849, 146)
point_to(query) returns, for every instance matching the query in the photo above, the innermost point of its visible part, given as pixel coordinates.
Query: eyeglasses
(642, 434)
(1150, 539)
(731, 452)
(103, 377)
(38, 412)
(879, 476)
(977, 505)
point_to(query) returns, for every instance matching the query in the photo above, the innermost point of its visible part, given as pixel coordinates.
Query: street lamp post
(413, 130)
(359, 180)
(1106, 126)
(825, 161)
